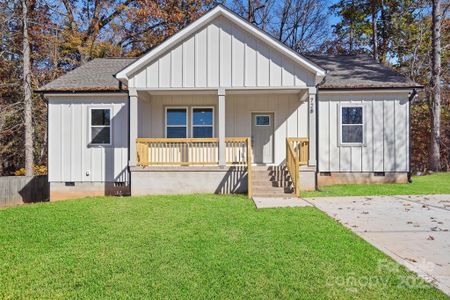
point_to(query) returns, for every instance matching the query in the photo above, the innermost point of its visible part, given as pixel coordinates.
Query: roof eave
(369, 87)
(81, 90)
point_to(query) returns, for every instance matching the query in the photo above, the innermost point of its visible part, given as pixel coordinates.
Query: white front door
(262, 138)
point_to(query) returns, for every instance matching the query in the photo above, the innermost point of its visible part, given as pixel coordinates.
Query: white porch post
(133, 125)
(312, 91)
(221, 123)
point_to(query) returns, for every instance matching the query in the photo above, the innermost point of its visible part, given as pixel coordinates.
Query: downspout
(128, 133)
(410, 100)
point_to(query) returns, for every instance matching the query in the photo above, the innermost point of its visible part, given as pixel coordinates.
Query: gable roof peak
(219, 10)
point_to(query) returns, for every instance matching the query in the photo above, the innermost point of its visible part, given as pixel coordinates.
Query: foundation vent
(379, 174)
(69, 183)
(325, 173)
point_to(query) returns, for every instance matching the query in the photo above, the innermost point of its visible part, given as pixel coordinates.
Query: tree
(27, 93)
(353, 32)
(435, 107)
(374, 9)
(301, 24)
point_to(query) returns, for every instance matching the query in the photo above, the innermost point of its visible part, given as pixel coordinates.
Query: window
(352, 125)
(100, 126)
(202, 122)
(262, 120)
(176, 122)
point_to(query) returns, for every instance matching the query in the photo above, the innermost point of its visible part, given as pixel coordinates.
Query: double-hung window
(202, 122)
(176, 122)
(352, 124)
(100, 127)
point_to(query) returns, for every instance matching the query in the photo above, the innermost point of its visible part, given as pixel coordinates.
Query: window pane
(352, 134)
(100, 135)
(203, 132)
(176, 132)
(262, 120)
(176, 116)
(202, 116)
(352, 115)
(100, 116)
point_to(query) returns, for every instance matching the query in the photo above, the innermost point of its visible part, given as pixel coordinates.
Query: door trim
(262, 112)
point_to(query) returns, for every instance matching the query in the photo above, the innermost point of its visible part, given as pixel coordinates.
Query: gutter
(365, 88)
(83, 92)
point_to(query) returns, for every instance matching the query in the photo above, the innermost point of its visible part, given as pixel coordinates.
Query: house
(223, 107)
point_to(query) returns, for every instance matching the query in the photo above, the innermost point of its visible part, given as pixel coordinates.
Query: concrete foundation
(187, 180)
(65, 190)
(324, 179)
(307, 178)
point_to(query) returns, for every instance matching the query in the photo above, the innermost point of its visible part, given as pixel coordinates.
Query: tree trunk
(374, 29)
(27, 93)
(435, 157)
(250, 17)
(384, 37)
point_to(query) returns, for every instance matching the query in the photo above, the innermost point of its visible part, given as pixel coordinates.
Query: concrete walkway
(274, 202)
(413, 230)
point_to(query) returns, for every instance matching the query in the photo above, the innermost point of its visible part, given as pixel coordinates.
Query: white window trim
(263, 115)
(349, 105)
(102, 126)
(192, 119)
(165, 119)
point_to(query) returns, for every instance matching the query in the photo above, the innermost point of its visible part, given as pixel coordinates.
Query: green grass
(438, 183)
(197, 246)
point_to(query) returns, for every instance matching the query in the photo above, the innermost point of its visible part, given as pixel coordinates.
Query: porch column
(312, 91)
(221, 126)
(133, 121)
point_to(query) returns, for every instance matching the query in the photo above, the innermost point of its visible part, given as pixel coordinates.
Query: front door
(262, 138)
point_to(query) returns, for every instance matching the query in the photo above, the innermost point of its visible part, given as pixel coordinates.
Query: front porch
(209, 141)
(192, 165)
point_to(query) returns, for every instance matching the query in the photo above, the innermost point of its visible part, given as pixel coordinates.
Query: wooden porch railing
(297, 154)
(301, 148)
(194, 151)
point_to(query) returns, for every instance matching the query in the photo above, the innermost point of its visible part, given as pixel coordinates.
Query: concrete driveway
(413, 230)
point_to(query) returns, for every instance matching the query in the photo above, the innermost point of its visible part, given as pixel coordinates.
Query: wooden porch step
(271, 181)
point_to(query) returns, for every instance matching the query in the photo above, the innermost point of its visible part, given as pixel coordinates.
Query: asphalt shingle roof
(343, 72)
(358, 71)
(96, 75)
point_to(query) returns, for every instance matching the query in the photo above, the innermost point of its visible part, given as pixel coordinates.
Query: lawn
(190, 247)
(438, 183)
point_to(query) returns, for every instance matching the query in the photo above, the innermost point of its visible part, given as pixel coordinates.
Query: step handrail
(293, 166)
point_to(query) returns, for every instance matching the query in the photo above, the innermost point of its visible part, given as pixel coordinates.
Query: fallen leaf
(411, 259)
